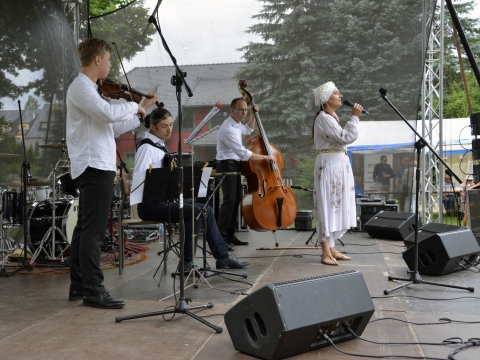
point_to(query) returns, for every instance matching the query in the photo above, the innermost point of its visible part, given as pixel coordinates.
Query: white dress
(334, 189)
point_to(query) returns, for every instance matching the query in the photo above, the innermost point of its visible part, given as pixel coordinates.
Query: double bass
(268, 204)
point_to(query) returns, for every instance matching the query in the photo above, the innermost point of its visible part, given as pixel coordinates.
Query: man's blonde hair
(90, 48)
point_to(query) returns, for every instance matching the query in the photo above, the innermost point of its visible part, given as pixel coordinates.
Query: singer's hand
(141, 112)
(146, 103)
(357, 109)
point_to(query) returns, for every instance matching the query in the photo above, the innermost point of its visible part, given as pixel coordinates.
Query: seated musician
(151, 153)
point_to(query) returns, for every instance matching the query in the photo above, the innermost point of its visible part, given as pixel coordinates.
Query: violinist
(230, 151)
(92, 123)
(151, 153)
(334, 194)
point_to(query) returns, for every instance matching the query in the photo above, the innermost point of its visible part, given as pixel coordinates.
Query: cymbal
(39, 182)
(53, 146)
(3, 155)
(14, 183)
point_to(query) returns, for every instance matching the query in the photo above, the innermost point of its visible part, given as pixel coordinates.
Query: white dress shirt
(229, 141)
(92, 124)
(146, 156)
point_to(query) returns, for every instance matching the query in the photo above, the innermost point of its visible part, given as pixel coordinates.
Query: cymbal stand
(51, 231)
(3, 249)
(64, 158)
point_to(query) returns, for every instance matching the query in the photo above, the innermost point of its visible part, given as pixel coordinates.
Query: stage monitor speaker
(444, 253)
(285, 319)
(391, 225)
(473, 211)
(428, 230)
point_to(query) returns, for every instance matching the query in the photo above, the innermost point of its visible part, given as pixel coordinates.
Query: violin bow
(124, 73)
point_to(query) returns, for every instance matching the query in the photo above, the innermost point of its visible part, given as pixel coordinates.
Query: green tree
(471, 29)
(124, 28)
(306, 43)
(32, 103)
(454, 100)
(455, 103)
(100, 7)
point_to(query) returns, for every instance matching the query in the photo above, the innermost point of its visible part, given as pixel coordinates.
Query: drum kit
(52, 210)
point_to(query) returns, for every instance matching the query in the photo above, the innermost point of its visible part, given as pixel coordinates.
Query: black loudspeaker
(428, 230)
(285, 319)
(444, 253)
(391, 225)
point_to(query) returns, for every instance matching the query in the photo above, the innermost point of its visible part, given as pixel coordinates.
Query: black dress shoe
(231, 262)
(75, 295)
(236, 241)
(229, 247)
(103, 301)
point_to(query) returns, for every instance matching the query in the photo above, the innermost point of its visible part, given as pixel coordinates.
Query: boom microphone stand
(182, 305)
(419, 145)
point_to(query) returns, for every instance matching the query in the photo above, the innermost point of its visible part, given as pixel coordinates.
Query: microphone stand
(181, 306)
(414, 277)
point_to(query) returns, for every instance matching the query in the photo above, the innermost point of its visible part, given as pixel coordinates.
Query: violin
(113, 90)
(268, 204)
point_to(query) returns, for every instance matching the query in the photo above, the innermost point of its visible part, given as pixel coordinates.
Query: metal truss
(432, 113)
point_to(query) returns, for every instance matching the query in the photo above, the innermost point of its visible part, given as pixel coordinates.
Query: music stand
(203, 213)
(162, 184)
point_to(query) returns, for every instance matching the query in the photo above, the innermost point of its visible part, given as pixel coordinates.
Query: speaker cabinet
(370, 209)
(428, 230)
(444, 253)
(391, 225)
(473, 214)
(285, 319)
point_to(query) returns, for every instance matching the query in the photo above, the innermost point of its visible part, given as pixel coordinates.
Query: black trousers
(158, 211)
(96, 193)
(232, 197)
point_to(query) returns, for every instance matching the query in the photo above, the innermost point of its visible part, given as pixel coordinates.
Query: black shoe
(231, 262)
(229, 247)
(236, 241)
(103, 301)
(75, 295)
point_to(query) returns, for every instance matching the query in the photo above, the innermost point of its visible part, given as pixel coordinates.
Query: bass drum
(40, 221)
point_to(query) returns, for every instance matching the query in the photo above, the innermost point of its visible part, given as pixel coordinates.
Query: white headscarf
(323, 93)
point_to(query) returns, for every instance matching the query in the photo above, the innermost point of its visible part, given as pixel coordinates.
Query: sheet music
(202, 191)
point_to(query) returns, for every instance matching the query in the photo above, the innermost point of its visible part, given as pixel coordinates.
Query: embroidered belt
(331, 151)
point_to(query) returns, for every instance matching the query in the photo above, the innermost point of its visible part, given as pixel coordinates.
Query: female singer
(334, 191)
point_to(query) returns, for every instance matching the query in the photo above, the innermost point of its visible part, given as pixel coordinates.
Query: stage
(38, 321)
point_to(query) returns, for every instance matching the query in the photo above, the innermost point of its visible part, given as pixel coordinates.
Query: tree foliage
(455, 103)
(306, 43)
(124, 28)
(100, 7)
(32, 103)
(454, 100)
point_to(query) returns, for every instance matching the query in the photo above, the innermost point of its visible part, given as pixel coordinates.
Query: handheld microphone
(350, 104)
(383, 92)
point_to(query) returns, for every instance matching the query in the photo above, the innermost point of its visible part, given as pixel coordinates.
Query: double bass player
(230, 151)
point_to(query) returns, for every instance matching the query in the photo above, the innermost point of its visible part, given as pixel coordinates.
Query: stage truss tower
(431, 111)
